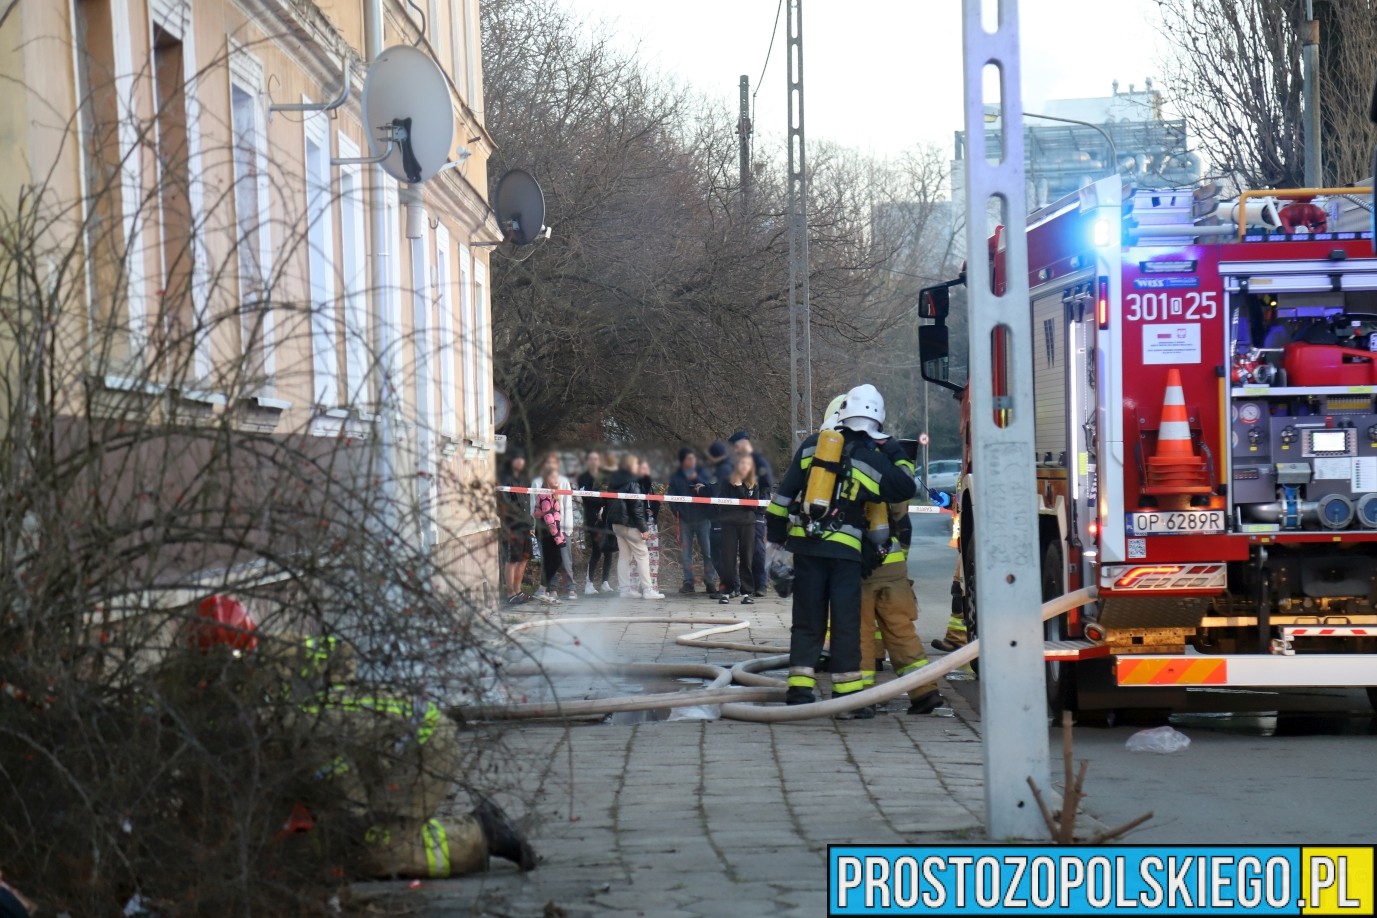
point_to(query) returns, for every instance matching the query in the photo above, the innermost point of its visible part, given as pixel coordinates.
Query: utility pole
(1310, 46)
(1013, 701)
(800, 327)
(743, 131)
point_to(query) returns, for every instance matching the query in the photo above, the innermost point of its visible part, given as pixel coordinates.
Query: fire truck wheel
(1061, 677)
(1372, 697)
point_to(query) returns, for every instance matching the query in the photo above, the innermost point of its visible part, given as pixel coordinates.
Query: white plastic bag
(1159, 740)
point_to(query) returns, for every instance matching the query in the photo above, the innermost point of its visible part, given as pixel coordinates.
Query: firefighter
(956, 637)
(829, 546)
(889, 609)
(391, 764)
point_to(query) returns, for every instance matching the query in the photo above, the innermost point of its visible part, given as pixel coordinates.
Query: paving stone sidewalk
(670, 818)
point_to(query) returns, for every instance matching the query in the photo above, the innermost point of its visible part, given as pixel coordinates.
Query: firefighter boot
(504, 839)
(926, 704)
(863, 713)
(796, 695)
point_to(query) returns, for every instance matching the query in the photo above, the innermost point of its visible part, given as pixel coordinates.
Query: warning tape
(669, 498)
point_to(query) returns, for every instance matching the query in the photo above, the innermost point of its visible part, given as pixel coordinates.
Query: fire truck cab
(1206, 439)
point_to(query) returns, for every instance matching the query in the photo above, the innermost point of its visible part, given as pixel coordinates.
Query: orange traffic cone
(1176, 469)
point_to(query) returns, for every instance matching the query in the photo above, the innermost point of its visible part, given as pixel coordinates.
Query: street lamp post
(991, 117)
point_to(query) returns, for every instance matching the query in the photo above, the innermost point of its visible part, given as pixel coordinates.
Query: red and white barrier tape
(669, 498)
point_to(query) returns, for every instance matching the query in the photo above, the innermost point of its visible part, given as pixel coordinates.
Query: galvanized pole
(1007, 589)
(800, 329)
(1310, 44)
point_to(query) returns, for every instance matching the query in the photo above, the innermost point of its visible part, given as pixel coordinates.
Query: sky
(879, 75)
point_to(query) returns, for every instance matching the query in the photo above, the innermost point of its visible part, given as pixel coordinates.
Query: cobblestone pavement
(669, 818)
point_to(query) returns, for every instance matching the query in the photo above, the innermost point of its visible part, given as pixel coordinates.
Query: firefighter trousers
(888, 604)
(822, 585)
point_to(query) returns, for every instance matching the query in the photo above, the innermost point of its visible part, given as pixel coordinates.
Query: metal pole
(379, 239)
(927, 437)
(800, 330)
(1013, 699)
(743, 130)
(1310, 44)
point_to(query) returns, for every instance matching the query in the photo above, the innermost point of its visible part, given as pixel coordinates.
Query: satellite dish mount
(520, 207)
(405, 93)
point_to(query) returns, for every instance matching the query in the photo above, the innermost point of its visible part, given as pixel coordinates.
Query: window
(320, 238)
(110, 171)
(183, 279)
(354, 275)
(253, 243)
(464, 41)
(422, 305)
(467, 342)
(391, 250)
(444, 282)
(483, 350)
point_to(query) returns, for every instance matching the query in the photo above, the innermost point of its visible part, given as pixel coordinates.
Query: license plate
(1176, 522)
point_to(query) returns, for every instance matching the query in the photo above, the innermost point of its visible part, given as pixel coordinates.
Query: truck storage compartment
(1328, 365)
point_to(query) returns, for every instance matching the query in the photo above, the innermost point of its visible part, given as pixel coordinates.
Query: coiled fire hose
(736, 701)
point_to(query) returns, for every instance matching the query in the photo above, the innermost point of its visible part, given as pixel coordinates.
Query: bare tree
(144, 747)
(659, 309)
(1235, 66)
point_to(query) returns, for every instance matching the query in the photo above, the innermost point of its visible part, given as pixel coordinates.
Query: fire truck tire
(1061, 677)
(1372, 697)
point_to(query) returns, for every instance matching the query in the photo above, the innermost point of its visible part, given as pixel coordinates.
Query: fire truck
(1205, 379)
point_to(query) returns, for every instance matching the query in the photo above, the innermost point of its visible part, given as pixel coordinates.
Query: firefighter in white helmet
(828, 541)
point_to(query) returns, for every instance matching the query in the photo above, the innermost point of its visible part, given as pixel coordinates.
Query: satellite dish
(406, 102)
(520, 207)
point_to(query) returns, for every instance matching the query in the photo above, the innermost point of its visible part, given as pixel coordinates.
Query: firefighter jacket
(871, 471)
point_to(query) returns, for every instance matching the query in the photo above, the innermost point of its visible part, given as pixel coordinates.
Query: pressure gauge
(1249, 412)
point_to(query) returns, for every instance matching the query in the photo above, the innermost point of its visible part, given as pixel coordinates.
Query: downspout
(384, 324)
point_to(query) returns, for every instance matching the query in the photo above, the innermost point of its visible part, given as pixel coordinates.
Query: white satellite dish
(406, 103)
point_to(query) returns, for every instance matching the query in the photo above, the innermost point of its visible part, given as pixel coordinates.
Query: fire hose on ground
(738, 702)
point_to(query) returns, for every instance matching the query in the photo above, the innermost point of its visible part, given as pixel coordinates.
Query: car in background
(944, 475)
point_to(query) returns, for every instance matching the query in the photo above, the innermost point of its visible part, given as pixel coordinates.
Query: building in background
(227, 263)
(1130, 135)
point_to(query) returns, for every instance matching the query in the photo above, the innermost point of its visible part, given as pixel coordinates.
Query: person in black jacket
(719, 470)
(738, 530)
(741, 442)
(694, 519)
(628, 519)
(596, 530)
(517, 525)
(828, 551)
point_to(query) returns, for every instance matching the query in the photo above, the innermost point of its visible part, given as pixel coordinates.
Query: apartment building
(228, 270)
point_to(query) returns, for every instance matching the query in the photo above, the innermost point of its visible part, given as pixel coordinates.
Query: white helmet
(830, 417)
(864, 411)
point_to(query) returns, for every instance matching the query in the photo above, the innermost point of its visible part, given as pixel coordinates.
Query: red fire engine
(1206, 435)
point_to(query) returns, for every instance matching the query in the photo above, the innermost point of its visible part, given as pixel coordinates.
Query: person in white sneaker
(628, 519)
(551, 511)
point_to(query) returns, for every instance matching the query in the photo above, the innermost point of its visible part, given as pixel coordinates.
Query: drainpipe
(384, 322)
(423, 464)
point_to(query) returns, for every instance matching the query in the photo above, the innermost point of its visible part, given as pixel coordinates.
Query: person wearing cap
(828, 549)
(765, 478)
(694, 519)
(719, 470)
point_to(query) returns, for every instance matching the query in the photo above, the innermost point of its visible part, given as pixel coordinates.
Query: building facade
(217, 253)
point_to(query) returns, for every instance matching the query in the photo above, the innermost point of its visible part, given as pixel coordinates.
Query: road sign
(923, 439)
